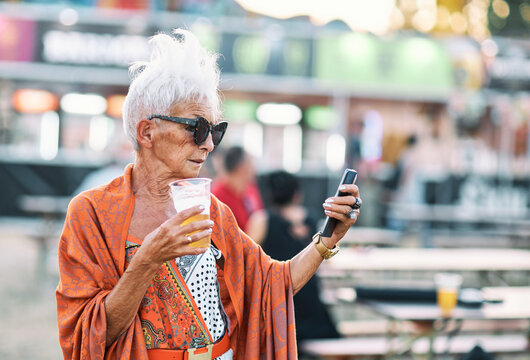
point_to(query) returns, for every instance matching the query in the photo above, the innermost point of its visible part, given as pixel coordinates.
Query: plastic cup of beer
(447, 286)
(187, 193)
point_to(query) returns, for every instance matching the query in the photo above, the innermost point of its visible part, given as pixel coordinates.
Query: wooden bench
(349, 348)
(379, 347)
(366, 328)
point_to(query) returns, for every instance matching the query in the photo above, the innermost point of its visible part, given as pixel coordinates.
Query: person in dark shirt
(283, 230)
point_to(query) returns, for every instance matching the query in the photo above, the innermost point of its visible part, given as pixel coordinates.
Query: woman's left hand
(342, 209)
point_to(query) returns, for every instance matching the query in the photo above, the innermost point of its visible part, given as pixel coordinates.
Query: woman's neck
(150, 181)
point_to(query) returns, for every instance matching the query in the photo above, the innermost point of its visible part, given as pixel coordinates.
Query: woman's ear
(144, 133)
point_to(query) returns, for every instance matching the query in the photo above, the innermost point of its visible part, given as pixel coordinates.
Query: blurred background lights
(424, 20)
(320, 117)
(397, 20)
(87, 104)
(292, 148)
(359, 15)
(372, 136)
(408, 6)
(335, 152)
(49, 135)
(489, 48)
(34, 101)
(442, 18)
(524, 8)
(101, 128)
(384, 16)
(501, 8)
(68, 17)
(253, 139)
(115, 105)
(279, 114)
(458, 22)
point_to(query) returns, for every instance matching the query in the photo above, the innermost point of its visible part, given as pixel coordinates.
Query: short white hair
(180, 71)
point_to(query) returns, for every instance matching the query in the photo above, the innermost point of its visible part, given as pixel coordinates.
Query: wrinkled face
(173, 143)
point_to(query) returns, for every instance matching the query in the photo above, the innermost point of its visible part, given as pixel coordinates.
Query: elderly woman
(131, 285)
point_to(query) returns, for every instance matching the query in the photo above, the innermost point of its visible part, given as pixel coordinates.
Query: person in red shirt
(236, 185)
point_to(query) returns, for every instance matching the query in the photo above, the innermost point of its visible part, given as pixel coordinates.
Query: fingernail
(326, 205)
(209, 230)
(327, 212)
(211, 223)
(342, 187)
(329, 200)
(201, 207)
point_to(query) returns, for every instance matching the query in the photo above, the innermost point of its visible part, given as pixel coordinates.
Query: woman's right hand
(171, 239)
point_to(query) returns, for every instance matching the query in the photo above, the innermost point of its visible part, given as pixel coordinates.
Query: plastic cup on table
(447, 287)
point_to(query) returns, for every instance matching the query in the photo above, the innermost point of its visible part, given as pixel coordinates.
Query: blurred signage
(17, 40)
(361, 59)
(266, 55)
(115, 46)
(514, 72)
(75, 47)
(91, 45)
(510, 67)
(510, 73)
(350, 59)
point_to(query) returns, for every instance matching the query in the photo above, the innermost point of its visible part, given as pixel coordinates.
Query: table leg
(390, 336)
(431, 337)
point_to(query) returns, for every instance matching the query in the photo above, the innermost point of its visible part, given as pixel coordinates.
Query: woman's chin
(189, 173)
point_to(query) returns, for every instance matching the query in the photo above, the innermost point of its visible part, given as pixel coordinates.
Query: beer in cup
(447, 286)
(187, 193)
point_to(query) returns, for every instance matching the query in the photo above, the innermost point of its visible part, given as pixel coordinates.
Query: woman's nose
(208, 143)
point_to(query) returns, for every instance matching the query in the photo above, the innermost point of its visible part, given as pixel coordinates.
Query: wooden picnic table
(371, 236)
(511, 303)
(420, 259)
(434, 334)
(454, 213)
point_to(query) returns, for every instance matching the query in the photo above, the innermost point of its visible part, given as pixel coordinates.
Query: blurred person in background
(283, 230)
(132, 285)
(236, 185)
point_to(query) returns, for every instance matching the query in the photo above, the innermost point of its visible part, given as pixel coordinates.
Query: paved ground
(27, 301)
(28, 328)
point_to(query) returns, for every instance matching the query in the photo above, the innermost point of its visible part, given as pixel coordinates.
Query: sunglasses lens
(218, 133)
(201, 131)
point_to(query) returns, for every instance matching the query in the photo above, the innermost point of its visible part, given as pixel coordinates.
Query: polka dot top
(200, 274)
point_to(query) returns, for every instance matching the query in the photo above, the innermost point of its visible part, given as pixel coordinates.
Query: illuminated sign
(85, 48)
(510, 67)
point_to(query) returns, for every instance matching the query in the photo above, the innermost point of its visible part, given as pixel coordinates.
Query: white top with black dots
(200, 274)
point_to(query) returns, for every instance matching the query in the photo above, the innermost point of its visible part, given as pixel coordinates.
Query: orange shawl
(256, 291)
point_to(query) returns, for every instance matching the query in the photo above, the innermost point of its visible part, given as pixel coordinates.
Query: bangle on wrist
(323, 250)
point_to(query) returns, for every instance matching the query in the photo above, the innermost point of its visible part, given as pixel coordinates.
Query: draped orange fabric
(169, 314)
(256, 291)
